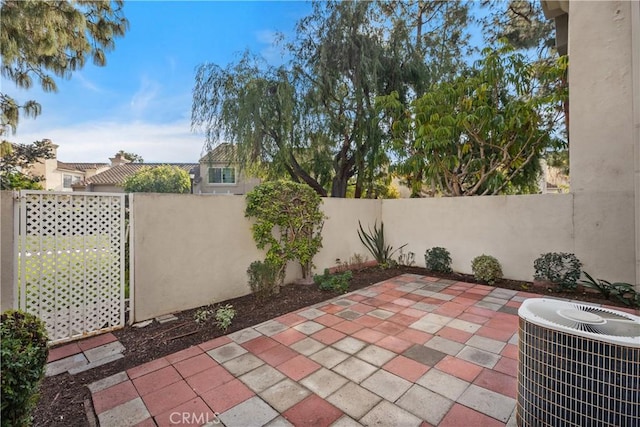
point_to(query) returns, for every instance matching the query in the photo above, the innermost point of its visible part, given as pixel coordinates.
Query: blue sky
(141, 100)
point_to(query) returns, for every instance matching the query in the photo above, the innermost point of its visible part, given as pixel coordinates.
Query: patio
(413, 350)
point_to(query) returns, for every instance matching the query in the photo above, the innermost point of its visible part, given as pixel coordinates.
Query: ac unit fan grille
(571, 380)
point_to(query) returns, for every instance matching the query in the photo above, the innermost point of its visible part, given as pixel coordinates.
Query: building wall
(242, 186)
(604, 140)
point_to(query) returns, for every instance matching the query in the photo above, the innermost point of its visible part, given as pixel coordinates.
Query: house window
(69, 180)
(222, 176)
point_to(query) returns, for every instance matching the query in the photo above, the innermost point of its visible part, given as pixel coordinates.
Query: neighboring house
(219, 173)
(62, 176)
(112, 179)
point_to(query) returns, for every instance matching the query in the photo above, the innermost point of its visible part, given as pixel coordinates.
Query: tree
(158, 179)
(15, 162)
(132, 157)
(288, 223)
(482, 133)
(42, 39)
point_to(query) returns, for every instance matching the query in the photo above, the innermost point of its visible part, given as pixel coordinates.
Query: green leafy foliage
(264, 279)
(158, 179)
(560, 268)
(374, 241)
(486, 268)
(623, 292)
(41, 38)
(16, 161)
(224, 317)
(23, 341)
(438, 259)
(288, 223)
(406, 258)
(338, 282)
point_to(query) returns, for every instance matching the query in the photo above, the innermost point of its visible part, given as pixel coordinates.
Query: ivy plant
(288, 223)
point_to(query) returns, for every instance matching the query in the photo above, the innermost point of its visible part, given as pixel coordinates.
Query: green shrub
(486, 268)
(224, 316)
(558, 267)
(438, 259)
(264, 279)
(623, 292)
(24, 356)
(406, 259)
(375, 243)
(338, 282)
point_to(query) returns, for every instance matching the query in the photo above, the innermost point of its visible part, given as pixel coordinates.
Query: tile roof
(117, 174)
(223, 153)
(81, 166)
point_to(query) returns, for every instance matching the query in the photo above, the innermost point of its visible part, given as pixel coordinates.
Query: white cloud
(86, 83)
(272, 53)
(143, 98)
(97, 141)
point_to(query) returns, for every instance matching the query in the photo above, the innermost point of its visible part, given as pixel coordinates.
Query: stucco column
(603, 151)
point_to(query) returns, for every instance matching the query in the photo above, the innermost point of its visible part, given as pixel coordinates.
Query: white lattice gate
(71, 261)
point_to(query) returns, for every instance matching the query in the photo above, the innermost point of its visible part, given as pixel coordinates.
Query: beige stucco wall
(7, 253)
(603, 149)
(242, 186)
(514, 229)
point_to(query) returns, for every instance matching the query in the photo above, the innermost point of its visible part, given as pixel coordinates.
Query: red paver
(507, 366)
(347, 327)
(504, 322)
(450, 309)
(361, 308)
(227, 395)
(460, 415)
(454, 334)
(312, 411)
(496, 334)
(414, 336)
(194, 365)
(413, 297)
(395, 293)
(332, 308)
(209, 379)
(328, 336)
(463, 301)
(481, 312)
(406, 368)
(156, 380)
(289, 336)
(215, 343)
(292, 319)
(479, 291)
(357, 298)
(392, 307)
(403, 319)
(114, 396)
(386, 298)
(498, 382)
(298, 367)
(147, 368)
(368, 321)
(510, 351)
(459, 368)
(404, 302)
(277, 355)
(390, 328)
(451, 291)
(184, 354)
(260, 344)
(474, 296)
(168, 397)
(416, 314)
(96, 341)
(394, 344)
(369, 335)
(62, 352)
(328, 319)
(374, 302)
(432, 301)
(514, 304)
(192, 413)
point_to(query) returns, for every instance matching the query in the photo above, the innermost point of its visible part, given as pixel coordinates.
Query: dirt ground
(64, 398)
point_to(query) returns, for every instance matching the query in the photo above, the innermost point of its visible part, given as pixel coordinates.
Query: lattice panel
(71, 271)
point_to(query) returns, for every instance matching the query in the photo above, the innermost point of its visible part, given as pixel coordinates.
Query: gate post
(8, 250)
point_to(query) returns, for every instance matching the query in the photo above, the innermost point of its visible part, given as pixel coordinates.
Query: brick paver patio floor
(409, 351)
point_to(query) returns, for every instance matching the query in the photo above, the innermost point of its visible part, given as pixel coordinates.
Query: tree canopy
(158, 179)
(15, 162)
(132, 157)
(43, 39)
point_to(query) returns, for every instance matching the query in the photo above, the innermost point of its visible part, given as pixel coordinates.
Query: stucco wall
(603, 146)
(514, 229)
(7, 254)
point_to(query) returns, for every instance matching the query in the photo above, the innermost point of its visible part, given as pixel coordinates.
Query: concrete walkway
(409, 351)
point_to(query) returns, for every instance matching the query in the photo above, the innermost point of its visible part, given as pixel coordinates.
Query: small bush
(558, 267)
(24, 356)
(406, 259)
(375, 243)
(333, 282)
(438, 259)
(486, 268)
(264, 279)
(224, 316)
(623, 292)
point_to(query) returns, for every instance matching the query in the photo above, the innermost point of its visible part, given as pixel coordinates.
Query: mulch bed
(63, 397)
